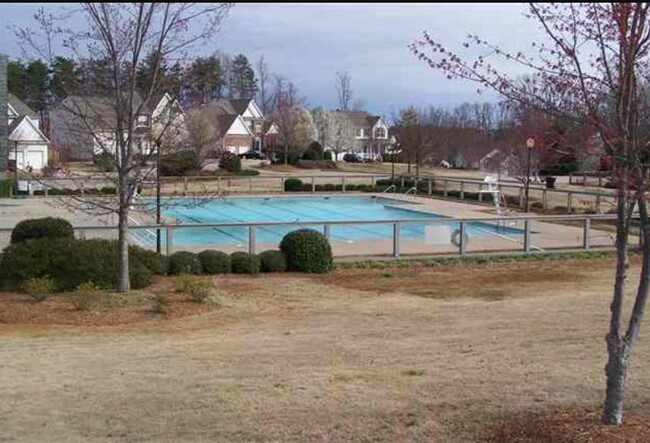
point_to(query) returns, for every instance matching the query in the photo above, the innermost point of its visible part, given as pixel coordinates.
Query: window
(380, 132)
(360, 132)
(142, 120)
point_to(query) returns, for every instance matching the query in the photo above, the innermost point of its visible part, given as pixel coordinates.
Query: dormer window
(142, 120)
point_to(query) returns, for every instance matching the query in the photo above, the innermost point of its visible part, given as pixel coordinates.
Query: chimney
(3, 117)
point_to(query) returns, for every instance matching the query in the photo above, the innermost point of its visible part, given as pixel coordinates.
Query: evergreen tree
(16, 78)
(36, 85)
(204, 79)
(64, 78)
(242, 78)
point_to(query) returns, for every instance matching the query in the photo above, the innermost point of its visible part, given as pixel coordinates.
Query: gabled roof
(235, 106)
(360, 119)
(19, 106)
(25, 120)
(226, 121)
(240, 105)
(98, 109)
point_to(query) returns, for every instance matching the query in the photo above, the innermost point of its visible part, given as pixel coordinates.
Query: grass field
(396, 354)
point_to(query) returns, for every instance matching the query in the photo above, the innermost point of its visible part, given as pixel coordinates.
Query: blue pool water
(302, 209)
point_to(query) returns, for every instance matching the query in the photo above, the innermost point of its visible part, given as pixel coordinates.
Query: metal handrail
(414, 189)
(393, 187)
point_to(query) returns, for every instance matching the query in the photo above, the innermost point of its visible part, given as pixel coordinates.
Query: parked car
(252, 154)
(352, 158)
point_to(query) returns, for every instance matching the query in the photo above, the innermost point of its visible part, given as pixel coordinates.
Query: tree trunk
(616, 370)
(123, 281)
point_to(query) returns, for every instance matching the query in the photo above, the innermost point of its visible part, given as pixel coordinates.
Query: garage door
(35, 159)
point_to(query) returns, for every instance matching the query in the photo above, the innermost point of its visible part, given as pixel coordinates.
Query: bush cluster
(273, 261)
(245, 263)
(307, 250)
(184, 262)
(105, 162)
(179, 163)
(230, 162)
(69, 262)
(5, 188)
(215, 262)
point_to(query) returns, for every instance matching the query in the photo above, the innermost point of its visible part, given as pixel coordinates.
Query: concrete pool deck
(545, 235)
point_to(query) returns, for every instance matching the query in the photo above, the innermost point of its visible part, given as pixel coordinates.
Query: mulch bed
(16, 308)
(580, 425)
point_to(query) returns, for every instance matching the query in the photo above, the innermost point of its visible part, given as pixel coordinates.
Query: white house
(369, 138)
(28, 146)
(236, 135)
(250, 114)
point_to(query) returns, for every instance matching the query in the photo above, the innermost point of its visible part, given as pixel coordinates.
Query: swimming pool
(305, 209)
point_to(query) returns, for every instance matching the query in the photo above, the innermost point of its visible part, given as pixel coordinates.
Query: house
(85, 126)
(369, 138)
(28, 146)
(241, 124)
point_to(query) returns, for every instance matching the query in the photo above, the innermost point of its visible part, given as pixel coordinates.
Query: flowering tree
(593, 71)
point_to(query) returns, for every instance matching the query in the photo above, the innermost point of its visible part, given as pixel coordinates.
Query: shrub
(310, 154)
(245, 263)
(327, 155)
(160, 304)
(292, 185)
(68, 262)
(179, 163)
(317, 148)
(247, 172)
(39, 287)
(329, 187)
(153, 261)
(108, 190)
(5, 188)
(307, 250)
(105, 162)
(230, 162)
(273, 261)
(48, 227)
(199, 290)
(306, 187)
(215, 262)
(86, 296)
(184, 262)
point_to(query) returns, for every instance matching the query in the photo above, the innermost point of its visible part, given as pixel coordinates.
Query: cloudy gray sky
(308, 43)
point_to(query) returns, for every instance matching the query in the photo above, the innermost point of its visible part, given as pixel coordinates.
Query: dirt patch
(567, 426)
(490, 281)
(117, 309)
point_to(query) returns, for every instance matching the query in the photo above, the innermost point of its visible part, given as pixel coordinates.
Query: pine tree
(242, 80)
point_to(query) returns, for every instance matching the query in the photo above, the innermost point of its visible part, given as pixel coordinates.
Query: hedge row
(297, 185)
(216, 262)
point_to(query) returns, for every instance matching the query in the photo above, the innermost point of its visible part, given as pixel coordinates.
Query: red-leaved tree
(593, 70)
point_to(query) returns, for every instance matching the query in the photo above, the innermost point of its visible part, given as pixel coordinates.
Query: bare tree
(263, 93)
(344, 90)
(593, 70)
(122, 37)
(344, 134)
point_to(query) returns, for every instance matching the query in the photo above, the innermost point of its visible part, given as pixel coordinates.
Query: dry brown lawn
(414, 354)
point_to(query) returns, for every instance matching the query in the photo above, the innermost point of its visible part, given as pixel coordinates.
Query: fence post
(342, 183)
(326, 232)
(569, 202)
(250, 185)
(544, 204)
(462, 190)
(169, 240)
(82, 234)
(251, 239)
(372, 181)
(430, 187)
(521, 197)
(570, 178)
(584, 180)
(402, 182)
(396, 239)
(598, 204)
(600, 181)
(445, 188)
(218, 185)
(480, 192)
(313, 185)
(461, 242)
(585, 234)
(527, 235)
(282, 184)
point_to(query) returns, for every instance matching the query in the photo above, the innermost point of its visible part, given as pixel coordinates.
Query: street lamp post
(16, 168)
(393, 143)
(530, 144)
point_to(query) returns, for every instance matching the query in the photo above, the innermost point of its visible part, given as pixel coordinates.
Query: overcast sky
(308, 43)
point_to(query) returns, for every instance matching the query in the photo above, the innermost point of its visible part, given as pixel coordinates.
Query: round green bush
(245, 263)
(310, 154)
(307, 251)
(48, 227)
(215, 262)
(150, 259)
(179, 163)
(184, 262)
(68, 263)
(273, 261)
(293, 185)
(327, 155)
(230, 162)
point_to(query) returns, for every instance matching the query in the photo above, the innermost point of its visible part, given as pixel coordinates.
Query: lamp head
(530, 143)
